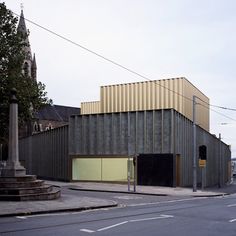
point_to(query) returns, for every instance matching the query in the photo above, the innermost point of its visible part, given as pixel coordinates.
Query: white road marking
(87, 230)
(128, 221)
(21, 217)
(153, 218)
(112, 226)
(232, 205)
(167, 216)
(231, 221)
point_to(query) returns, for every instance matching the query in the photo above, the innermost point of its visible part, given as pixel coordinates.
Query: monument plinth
(15, 185)
(13, 167)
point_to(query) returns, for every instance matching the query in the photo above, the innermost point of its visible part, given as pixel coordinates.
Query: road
(136, 215)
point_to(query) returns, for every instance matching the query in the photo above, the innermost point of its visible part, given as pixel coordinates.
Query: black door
(155, 169)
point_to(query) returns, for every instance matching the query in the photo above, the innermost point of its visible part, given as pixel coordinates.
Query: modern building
(176, 93)
(142, 130)
(102, 146)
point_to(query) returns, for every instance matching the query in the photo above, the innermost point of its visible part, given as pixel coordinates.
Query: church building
(29, 67)
(50, 116)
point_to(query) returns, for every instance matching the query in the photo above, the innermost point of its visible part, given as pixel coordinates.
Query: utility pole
(129, 165)
(194, 147)
(135, 168)
(220, 163)
(129, 173)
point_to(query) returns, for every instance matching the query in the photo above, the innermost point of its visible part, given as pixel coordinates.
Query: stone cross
(13, 167)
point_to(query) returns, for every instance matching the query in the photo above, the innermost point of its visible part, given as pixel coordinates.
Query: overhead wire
(230, 118)
(127, 69)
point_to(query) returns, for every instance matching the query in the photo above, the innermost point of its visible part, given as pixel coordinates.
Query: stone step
(21, 191)
(29, 184)
(54, 194)
(24, 178)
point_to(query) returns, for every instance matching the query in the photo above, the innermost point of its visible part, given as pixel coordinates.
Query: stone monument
(15, 185)
(13, 167)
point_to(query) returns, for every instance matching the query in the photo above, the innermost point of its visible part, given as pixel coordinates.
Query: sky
(159, 39)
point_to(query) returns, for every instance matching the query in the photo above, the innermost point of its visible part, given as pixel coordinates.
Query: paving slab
(148, 190)
(65, 203)
(69, 202)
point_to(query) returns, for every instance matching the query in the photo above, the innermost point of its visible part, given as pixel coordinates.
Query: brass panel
(90, 107)
(100, 169)
(176, 93)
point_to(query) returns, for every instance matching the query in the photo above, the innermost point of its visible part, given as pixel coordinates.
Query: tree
(30, 94)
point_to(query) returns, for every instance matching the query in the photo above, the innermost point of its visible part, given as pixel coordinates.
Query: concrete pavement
(69, 202)
(149, 190)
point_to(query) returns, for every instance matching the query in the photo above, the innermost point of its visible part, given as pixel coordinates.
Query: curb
(213, 195)
(148, 194)
(116, 191)
(58, 210)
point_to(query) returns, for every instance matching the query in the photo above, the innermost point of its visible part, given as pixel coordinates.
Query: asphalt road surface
(136, 215)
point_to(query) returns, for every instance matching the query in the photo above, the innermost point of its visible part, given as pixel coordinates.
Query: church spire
(34, 69)
(29, 66)
(23, 30)
(22, 26)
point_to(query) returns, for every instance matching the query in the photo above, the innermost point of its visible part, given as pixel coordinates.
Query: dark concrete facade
(146, 132)
(126, 134)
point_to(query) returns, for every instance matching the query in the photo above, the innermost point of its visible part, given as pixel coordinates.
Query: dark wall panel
(155, 169)
(46, 154)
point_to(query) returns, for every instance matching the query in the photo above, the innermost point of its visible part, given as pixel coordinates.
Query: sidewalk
(151, 190)
(65, 203)
(69, 202)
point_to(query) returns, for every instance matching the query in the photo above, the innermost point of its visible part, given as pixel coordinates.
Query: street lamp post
(194, 147)
(220, 162)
